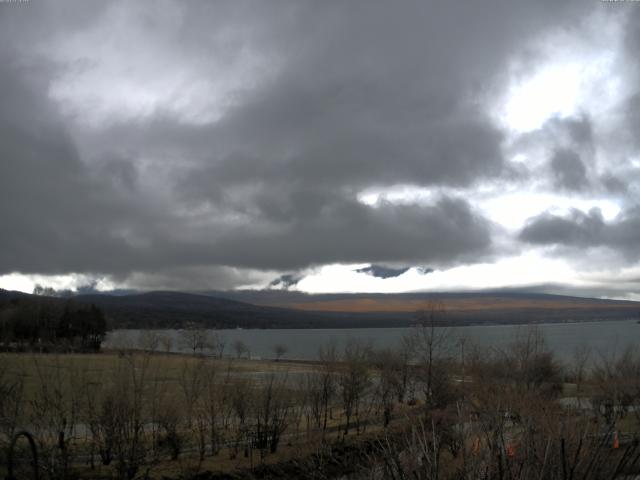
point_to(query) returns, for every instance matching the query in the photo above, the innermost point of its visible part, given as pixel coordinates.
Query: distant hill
(496, 306)
(176, 309)
(283, 309)
(6, 295)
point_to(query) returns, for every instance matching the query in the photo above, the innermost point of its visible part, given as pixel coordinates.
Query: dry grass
(36, 369)
(100, 367)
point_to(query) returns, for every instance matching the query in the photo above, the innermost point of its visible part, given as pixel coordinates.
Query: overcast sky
(321, 146)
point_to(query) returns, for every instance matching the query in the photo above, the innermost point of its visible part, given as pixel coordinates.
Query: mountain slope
(500, 306)
(278, 309)
(175, 310)
(370, 302)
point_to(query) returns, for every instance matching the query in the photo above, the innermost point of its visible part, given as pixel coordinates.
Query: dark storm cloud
(580, 230)
(285, 281)
(568, 170)
(574, 167)
(54, 211)
(577, 229)
(376, 95)
(353, 96)
(189, 278)
(578, 131)
(380, 271)
(632, 105)
(613, 183)
(62, 217)
(633, 115)
(348, 231)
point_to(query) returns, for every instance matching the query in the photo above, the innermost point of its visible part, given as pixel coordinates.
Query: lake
(563, 338)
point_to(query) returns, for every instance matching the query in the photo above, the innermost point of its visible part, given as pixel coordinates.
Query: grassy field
(166, 371)
(57, 389)
(31, 367)
(173, 416)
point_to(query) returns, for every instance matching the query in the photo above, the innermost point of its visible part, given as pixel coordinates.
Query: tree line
(47, 324)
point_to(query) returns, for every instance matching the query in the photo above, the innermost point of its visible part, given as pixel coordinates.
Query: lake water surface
(563, 338)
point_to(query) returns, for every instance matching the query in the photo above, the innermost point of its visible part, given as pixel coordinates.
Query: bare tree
(127, 412)
(431, 342)
(158, 395)
(390, 383)
(531, 363)
(416, 455)
(272, 409)
(54, 411)
(240, 348)
(195, 339)
(354, 379)
(400, 363)
(11, 403)
(193, 386)
(99, 401)
(217, 344)
(299, 399)
(240, 399)
(279, 351)
(148, 340)
(579, 364)
(169, 421)
(166, 342)
(616, 379)
(328, 357)
(313, 405)
(215, 400)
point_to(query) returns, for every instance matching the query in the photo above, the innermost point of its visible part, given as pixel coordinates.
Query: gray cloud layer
(587, 230)
(380, 271)
(330, 99)
(569, 171)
